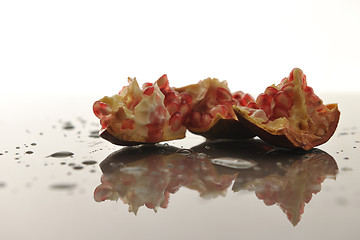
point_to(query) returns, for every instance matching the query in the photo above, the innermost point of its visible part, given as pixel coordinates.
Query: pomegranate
(152, 114)
(212, 114)
(290, 114)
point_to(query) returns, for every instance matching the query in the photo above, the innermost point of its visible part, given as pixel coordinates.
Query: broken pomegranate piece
(290, 114)
(152, 114)
(212, 114)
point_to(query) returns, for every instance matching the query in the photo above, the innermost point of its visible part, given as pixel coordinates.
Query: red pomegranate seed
(157, 117)
(271, 91)
(238, 95)
(283, 100)
(211, 102)
(101, 109)
(149, 90)
(146, 85)
(317, 102)
(304, 83)
(149, 205)
(252, 105)
(172, 107)
(246, 99)
(165, 203)
(127, 124)
(163, 83)
(195, 119)
(266, 109)
(184, 108)
(105, 121)
(279, 112)
(155, 132)
(219, 109)
(291, 76)
(171, 96)
(308, 89)
(223, 94)
(288, 88)
(206, 119)
(186, 97)
(263, 100)
(175, 121)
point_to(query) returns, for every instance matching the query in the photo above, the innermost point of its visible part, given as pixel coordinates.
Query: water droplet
(346, 158)
(94, 135)
(63, 186)
(2, 184)
(61, 154)
(68, 126)
(29, 152)
(184, 151)
(89, 162)
(234, 163)
(33, 144)
(78, 167)
(17, 147)
(71, 164)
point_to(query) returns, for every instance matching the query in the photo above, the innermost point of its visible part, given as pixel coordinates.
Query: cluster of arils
(289, 114)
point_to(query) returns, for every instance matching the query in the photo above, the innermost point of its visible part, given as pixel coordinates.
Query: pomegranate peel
(302, 121)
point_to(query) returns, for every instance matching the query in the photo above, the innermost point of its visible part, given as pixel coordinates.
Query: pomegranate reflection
(147, 175)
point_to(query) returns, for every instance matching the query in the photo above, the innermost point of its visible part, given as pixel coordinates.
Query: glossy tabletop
(59, 180)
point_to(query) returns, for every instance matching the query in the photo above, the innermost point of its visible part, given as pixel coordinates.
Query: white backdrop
(91, 47)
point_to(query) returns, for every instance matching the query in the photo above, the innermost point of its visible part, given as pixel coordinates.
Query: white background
(91, 47)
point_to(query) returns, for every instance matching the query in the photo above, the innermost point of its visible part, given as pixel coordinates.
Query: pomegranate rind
(105, 134)
(222, 128)
(286, 136)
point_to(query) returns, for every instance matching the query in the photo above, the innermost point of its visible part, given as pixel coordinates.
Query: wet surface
(59, 180)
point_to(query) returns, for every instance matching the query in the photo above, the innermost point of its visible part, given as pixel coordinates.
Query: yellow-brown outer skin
(287, 137)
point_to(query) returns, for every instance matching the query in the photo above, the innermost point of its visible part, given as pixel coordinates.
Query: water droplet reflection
(61, 154)
(234, 163)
